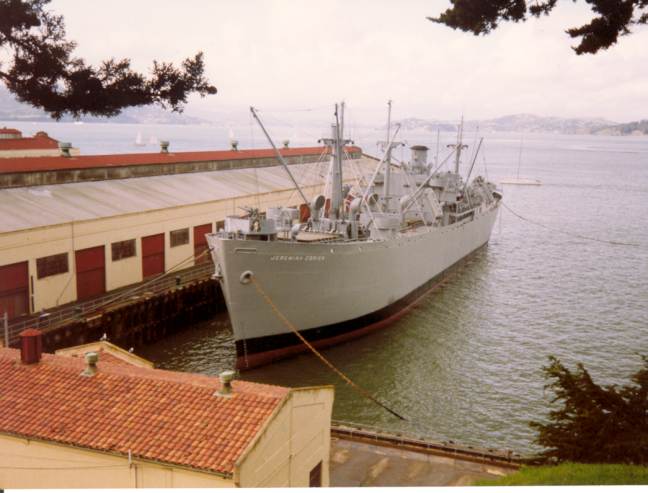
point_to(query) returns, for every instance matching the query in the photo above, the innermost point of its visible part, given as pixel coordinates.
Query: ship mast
(459, 146)
(336, 144)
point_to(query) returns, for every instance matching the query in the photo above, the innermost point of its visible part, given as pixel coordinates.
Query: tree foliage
(596, 424)
(41, 70)
(613, 18)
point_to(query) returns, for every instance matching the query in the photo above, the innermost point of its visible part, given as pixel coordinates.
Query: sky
(289, 55)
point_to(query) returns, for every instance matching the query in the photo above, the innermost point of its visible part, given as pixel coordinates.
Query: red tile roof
(156, 414)
(10, 131)
(27, 164)
(40, 141)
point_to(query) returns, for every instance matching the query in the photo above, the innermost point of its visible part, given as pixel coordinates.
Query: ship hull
(333, 292)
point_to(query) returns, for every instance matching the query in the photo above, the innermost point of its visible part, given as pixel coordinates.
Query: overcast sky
(304, 54)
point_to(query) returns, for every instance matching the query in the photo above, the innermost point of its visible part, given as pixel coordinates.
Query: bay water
(466, 363)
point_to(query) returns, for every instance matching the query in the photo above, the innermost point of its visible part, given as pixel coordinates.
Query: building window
(123, 249)
(315, 477)
(52, 265)
(179, 237)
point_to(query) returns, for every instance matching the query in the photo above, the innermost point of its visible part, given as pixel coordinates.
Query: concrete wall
(296, 440)
(53, 177)
(34, 464)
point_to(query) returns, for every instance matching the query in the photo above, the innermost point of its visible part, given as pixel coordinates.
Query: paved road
(361, 464)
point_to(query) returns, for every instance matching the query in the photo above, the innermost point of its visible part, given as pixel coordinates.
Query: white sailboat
(517, 180)
(139, 141)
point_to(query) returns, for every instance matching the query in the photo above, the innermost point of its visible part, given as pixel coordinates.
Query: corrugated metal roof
(30, 164)
(33, 207)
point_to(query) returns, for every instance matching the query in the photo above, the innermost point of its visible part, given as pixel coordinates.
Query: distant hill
(517, 123)
(12, 110)
(632, 128)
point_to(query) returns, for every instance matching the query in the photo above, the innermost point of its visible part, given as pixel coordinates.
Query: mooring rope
(568, 233)
(365, 393)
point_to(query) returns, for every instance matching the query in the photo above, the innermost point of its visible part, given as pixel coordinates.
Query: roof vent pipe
(226, 379)
(65, 148)
(234, 144)
(91, 361)
(164, 146)
(286, 143)
(31, 346)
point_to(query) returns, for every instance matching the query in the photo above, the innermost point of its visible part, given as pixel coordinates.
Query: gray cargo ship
(353, 261)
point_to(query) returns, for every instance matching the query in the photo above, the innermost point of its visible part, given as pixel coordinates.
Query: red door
(200, 242)
(14, 289)
(90, 272)
(152, 255)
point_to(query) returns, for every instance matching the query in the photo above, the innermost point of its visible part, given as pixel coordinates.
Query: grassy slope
(574, 474)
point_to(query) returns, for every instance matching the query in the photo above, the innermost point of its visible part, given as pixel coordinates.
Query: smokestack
(31, 346)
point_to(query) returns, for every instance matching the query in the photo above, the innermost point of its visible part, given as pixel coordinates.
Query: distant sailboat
(517, 180)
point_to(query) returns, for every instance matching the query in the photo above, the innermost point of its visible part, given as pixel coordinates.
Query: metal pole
(388, 157)
(375, 173)
(280, 157)
(6, 329)
(436, 159)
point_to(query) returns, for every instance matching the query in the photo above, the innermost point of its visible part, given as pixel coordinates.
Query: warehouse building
(73, 228)
(14, 145)
(102, 422)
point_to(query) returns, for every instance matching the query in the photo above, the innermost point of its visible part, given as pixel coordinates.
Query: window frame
(117, 247)
(43, 268)
(178, 231)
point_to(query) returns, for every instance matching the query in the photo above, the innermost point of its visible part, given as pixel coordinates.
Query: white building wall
(294, 442)
(35, 464)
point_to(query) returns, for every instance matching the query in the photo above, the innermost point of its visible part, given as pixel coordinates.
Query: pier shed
(66, 422)
(75, 228)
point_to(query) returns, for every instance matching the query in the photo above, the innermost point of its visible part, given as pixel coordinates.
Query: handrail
(49, 319)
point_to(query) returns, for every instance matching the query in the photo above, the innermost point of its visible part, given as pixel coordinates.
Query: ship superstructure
(358, 257)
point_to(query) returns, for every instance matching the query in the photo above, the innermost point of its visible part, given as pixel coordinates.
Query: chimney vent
(164, 146)
(31, 346)
(226, 379)
(286, 143)
(91, 368)
(65, 148)
(234, 143)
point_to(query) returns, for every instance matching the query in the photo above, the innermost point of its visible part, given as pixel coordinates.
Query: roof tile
(156, 414)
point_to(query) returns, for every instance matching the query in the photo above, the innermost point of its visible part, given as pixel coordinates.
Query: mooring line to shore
(575, 235)
(362, 391)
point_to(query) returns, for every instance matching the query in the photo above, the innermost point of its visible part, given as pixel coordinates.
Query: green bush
(595, 424)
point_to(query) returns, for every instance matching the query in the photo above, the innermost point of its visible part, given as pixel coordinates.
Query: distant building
(68, 423)
(14, 145)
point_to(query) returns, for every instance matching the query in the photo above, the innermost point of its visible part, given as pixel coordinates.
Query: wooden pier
(132, 316)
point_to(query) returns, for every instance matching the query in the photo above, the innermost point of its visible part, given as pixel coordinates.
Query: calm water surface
(466, 363)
